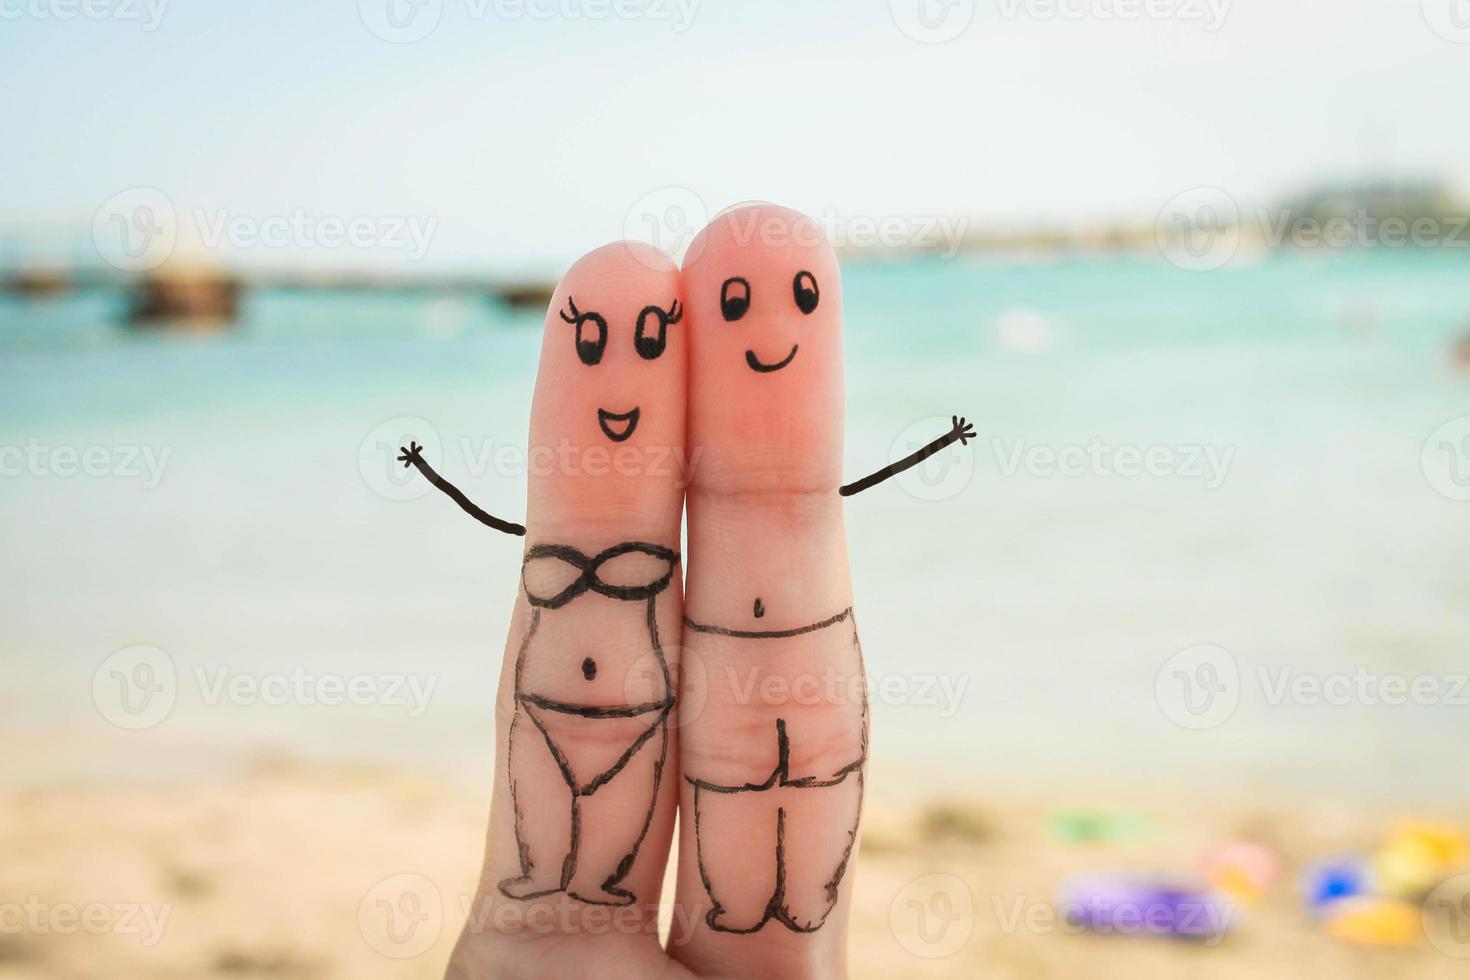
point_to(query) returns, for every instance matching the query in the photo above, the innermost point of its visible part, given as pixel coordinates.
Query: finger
(773, 763)
(582, 814)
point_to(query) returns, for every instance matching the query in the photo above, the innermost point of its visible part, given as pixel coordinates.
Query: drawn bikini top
(649, 576)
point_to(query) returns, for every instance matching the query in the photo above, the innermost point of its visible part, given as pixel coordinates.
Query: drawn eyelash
(589, 348)
(651, 347)
(575, 313)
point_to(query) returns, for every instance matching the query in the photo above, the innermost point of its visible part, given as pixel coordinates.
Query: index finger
(582, 814)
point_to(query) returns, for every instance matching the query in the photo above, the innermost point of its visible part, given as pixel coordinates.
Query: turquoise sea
(1023, 622)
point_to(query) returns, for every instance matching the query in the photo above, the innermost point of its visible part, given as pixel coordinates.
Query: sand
(286, 870)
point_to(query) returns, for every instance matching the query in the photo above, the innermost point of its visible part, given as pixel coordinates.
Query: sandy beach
(292, 870)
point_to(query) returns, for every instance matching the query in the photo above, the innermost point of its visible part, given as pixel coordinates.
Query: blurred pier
(210, 298)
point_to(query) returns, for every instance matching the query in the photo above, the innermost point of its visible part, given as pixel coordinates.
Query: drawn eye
(591, 343)
(807, 294)
(652, 335)
(734, 299)
(591, 333)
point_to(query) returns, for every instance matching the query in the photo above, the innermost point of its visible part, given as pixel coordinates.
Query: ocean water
(1025, 624)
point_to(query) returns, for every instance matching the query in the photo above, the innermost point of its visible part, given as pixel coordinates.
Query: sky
(514, 133)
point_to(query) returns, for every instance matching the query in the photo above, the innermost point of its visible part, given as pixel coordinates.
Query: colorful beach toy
(1128, 904)
(1335, 880)
(1417, 856)
(1376, 922)
(1080, 825)
(1242, 870)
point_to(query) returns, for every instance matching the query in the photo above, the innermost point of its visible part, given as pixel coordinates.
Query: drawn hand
(963, 431)
(411, 455)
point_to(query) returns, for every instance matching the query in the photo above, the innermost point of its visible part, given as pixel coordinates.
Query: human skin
(773, 756)
(764, 753)
(535, 913)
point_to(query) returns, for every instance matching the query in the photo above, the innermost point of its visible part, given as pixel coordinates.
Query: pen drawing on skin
(580, 748)
(792, 794)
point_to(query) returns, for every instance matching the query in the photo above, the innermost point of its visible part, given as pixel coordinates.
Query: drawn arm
(961, 433)
(413, 456)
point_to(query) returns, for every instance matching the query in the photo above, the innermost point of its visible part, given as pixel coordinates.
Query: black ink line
(528, 705)
(962, 433)
(767, 634)
(775, 909)
(757, 365)
(413, 456)
(589, 579)
(606, 418)
(595, 711)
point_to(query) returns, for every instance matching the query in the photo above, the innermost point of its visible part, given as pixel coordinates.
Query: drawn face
(765, 328)
(615, 335)
(650, 340)
(607, 420)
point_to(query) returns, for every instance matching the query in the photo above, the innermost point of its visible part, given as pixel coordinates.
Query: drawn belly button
(589, 668)
(760, 610)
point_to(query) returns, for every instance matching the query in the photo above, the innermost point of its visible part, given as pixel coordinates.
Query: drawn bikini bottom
(591, 745)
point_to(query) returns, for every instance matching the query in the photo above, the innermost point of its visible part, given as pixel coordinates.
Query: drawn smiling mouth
(617, 427)
(757, 365)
